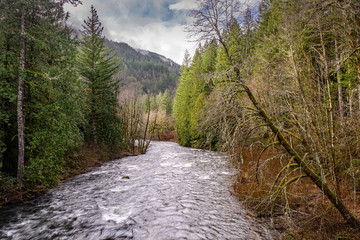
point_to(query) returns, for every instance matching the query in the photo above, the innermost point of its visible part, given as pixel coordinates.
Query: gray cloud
(155, 25)
(183, 5)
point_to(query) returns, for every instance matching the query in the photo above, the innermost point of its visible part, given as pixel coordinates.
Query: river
(171, 192)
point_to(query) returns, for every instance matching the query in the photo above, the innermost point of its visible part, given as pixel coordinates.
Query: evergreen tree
(9, 45)
(181, 105)
(289, 75)
(194, 88)
(53, 121)
(209, 57)
(42, 68)
(97, 67)
(197, 86)
(167, 102)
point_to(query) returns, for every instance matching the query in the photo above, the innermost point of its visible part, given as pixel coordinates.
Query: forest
(278, 88)
(61, 111)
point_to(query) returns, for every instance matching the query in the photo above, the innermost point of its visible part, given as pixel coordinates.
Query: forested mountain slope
(154, 73)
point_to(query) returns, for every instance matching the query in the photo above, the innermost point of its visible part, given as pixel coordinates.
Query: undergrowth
(80, 161)
(300, 211)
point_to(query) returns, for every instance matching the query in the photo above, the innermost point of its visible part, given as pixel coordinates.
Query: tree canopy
(292, 75)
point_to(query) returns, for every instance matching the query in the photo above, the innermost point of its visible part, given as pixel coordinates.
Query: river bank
(84, 159)
(300, 211)
(171, 192)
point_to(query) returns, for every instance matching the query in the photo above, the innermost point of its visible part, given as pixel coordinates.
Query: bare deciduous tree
(213, 19)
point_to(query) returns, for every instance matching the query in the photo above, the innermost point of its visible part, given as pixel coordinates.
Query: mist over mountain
(152, 72)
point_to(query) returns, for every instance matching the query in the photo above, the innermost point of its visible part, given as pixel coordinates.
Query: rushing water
(171, 192)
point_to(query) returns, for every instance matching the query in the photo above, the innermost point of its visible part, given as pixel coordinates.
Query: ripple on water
(166, 164)
(183, 165)
(116, 217)
(172, 193)
(120, 188)
(204, 177)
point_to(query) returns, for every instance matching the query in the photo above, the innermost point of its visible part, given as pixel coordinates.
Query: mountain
(153, 72)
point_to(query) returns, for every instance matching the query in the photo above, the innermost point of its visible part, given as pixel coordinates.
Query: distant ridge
(153, 72)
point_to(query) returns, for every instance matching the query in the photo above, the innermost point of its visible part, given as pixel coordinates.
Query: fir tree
(167, 102)
(181, 103)
(53, 121)
(97, 67)
(42, 68)
(9, 46)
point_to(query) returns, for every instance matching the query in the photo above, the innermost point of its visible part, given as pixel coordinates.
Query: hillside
(155, 73)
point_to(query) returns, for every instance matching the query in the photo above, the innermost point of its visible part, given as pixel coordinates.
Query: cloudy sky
(155, 25)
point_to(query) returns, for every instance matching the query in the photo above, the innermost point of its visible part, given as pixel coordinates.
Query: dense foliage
(194, 87)
(289, 82)
(59, 105)
(52, 120)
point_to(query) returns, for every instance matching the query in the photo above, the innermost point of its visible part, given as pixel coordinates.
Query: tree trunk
(307, 111)
(340, 90)
(20, 103)
(94, 130)
(93, 118)
(350, 103)
(349, 218)
(330, 110)
(205, 17)
(338, 203)
(358, 77)
(144, 146)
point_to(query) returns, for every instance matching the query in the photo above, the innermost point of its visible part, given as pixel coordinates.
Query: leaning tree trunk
(20, 103)
(349, 218)
(208, 16)
(338, 203)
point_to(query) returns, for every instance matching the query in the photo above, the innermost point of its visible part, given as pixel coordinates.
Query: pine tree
(97, 67)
